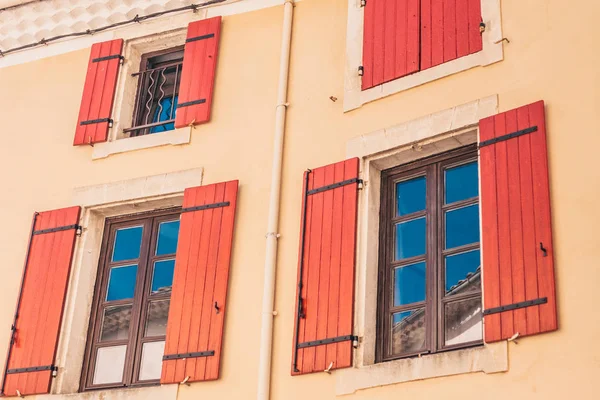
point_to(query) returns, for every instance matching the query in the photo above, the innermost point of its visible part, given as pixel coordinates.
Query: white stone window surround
(355, 97)
(380, 150)
(99, 202)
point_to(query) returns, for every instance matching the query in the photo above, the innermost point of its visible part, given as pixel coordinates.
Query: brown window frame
(139, 125)
(432, 168)
(140, 302)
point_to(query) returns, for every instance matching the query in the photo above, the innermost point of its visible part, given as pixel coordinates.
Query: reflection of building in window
(158, 90)
(462, 320)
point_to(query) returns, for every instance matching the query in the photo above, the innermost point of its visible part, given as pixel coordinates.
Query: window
(430, 268)
(157, 92)
(131, 303)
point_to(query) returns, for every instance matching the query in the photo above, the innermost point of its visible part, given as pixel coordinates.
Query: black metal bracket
(335, 185)
(543, 249)
(217, 308)
(205, 207)
(99, 59)
(515, 306)
(327, 341)
(361, 71)
(59, 229)
(363, 3)
(97, 121)
(191, 103)
(507, 137)
(203, 37)
(32, 369)
(189, 355)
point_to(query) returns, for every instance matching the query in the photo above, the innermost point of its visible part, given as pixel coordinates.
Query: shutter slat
(328, 271)
(516, 219)
(450, 30)
(543, 218)
(98, 93)
(198, 72)
(462, 27)
(489, 224)
(42, 301)
(200, 280)
(368, 46)
(426, 33)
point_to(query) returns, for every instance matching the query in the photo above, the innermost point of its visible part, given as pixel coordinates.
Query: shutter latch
(543, 249)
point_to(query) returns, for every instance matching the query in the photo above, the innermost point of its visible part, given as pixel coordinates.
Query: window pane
(463, 273)
(158, 313)
(462, 226)
(409, 284)
(115, 323)
(168, 233)
(410, 196)
(121, 283)
(162, 277)
(110, 362)
(408, 331)
(463, 322)
(151, 363)
(128, 242)
(410, 238)
(461, 182)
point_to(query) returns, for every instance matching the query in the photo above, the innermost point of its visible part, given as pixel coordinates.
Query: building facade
(290, 199)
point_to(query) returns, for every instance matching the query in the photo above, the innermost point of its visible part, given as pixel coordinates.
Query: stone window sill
(175, 137)
(166, 392)
(490, 358)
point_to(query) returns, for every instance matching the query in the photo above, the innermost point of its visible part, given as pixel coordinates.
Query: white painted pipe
(266, 333)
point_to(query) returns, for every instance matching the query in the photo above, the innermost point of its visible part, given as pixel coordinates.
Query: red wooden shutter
(323, 335)
(198, 302)
(449, 30)
(30, 360)
(518, 266)
(198, 74)
(390, 40)
(99, 93)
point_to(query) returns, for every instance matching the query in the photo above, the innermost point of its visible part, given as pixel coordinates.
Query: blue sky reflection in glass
(168, 234)
(410, 196)
(128, 242)
(121, 283)
(162, 276)
(410, 238)
(462, 226)
(461, 183)
(409, 284)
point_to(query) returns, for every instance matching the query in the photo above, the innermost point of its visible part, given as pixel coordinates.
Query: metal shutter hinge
(363, 3)
(361, 71)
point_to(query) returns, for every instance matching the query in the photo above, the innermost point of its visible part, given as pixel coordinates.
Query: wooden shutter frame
(518, 266)
(99, 92)
(73, 214)
(328, 338)
(183, 355)
(198, 72)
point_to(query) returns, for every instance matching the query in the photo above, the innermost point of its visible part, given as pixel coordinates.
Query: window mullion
(431, 258)
(138, 303)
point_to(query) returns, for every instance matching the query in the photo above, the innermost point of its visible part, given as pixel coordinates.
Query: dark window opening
(127, 331)
(430, 269)
(158, 89)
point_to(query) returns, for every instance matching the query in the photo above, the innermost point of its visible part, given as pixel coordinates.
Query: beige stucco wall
(552, 56)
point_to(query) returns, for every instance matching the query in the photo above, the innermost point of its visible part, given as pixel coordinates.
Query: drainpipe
(266, 334)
